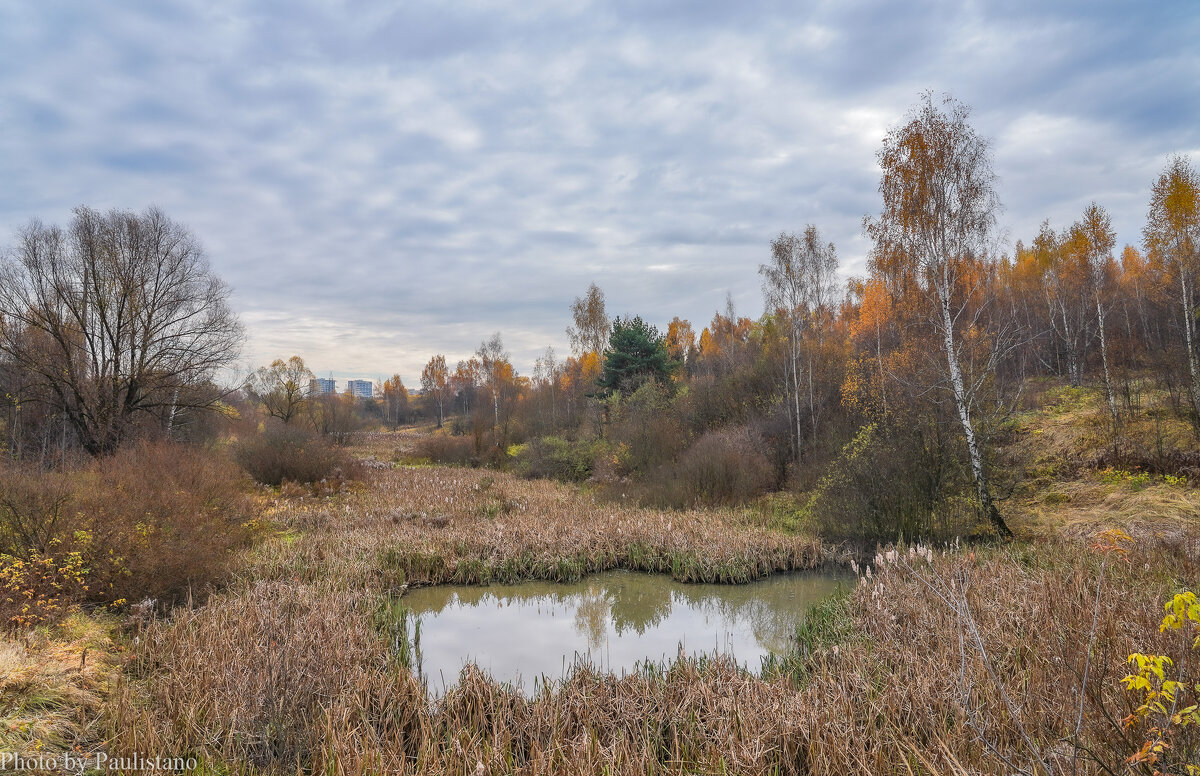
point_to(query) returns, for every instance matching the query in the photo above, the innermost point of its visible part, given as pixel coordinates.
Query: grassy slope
(1068, 488)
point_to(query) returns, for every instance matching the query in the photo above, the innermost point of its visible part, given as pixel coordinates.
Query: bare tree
(547, 373)
(283, 387)
(116, 316)
(939, 210)
(333, 415)
(1093, 238)
(1066, 277)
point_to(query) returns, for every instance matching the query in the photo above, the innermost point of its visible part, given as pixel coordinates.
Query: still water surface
(534, 631)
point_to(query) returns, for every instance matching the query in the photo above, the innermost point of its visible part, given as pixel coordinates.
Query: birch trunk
(1189, 333)
(962, 404)
(795, 348)
(1108, 389)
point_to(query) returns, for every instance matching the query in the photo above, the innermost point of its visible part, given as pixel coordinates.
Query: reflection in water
(537, 630)
(591, 618)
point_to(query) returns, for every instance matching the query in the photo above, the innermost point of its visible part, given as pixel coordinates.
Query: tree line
(905, 378)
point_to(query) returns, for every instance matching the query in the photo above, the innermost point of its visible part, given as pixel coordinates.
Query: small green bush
(893, 483)
(560, 459)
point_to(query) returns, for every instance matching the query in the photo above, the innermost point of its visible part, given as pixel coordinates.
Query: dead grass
(1075, 481)
(287, 673)
(285, 670)
(53, 681)
(240, 680)
(287, 666)
(395, 446)
(917, 691)
(429, 525)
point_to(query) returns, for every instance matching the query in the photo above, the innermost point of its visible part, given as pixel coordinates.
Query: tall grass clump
(434, 525)
(243, 679)
(996, 661)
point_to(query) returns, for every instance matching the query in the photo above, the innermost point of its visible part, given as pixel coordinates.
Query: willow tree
(117, 316)
(935, 228)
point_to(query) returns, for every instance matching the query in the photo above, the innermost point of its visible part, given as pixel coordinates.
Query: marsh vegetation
(1000, 449)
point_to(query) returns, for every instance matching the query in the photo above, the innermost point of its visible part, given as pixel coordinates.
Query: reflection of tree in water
(591, 618)
(772, 608)
(642, 601)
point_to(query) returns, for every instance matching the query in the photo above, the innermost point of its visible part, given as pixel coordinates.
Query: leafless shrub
(287, 454)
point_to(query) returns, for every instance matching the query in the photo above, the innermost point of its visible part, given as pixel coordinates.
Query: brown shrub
(155, 521)
(442, 448)
(288, 454)
(724, 467)
(33, 509)
(646, 429)
(163, 520)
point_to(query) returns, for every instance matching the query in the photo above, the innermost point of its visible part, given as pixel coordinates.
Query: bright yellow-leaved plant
(1168, 704)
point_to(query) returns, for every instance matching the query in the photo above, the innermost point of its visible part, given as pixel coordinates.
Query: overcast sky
(383, 181)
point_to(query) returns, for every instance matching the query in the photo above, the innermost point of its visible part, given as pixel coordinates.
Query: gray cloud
(382, 182)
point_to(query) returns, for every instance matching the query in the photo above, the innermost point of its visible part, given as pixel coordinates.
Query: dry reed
(430, 525)
(285, 670)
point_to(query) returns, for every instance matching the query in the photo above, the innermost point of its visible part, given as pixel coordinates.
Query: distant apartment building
(360, 388)
(319, 386)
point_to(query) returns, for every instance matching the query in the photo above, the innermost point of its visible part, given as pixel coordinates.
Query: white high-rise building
(319, 386)
(360, 388)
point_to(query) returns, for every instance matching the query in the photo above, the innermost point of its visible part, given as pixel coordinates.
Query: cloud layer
(380, 182)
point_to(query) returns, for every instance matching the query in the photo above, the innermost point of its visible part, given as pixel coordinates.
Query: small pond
(532, 632)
